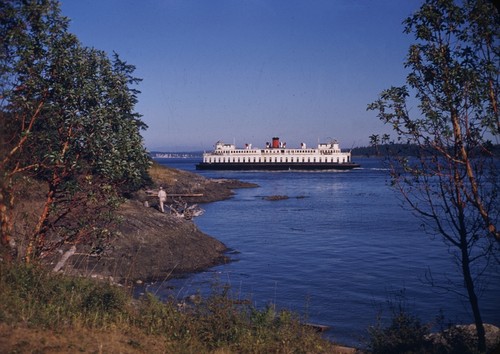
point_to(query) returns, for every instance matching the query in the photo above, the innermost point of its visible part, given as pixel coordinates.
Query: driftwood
(186, 195)
(152, 193)
(64, 258)
(181, 209)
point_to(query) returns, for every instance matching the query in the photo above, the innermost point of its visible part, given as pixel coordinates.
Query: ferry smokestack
(276, 143)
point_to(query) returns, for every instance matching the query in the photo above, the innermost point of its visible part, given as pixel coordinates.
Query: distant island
(175, 155)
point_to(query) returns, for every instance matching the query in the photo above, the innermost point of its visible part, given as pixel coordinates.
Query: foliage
(452, 185)
(69, 119)
(405, 334)
(457, 341)
(216, 323)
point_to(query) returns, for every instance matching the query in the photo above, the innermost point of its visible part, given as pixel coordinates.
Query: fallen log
(64, 258)
(317, 327)
(151, 193)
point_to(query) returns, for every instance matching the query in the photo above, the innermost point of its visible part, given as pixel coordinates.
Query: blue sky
(246, 70)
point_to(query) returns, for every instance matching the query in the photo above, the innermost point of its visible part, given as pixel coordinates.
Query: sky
(244, 71)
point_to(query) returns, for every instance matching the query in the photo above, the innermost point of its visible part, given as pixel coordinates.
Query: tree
(375, 142)
(26, 37)
(453, 182)
(70, 122)
(386, 138)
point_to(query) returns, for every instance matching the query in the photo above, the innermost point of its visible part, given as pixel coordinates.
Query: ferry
(276, 156)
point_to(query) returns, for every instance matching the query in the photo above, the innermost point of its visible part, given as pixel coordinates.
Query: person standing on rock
(162, 196)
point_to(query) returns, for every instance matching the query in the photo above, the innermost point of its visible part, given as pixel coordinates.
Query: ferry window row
(275, 159)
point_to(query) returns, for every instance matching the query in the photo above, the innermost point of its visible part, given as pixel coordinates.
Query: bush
(455, 340)
(104, 299)
(405, 334)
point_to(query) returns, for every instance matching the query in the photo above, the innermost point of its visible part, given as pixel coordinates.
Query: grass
(44, 312)
(161, 174)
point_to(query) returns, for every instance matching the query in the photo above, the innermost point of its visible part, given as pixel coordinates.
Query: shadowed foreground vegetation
(43, 312)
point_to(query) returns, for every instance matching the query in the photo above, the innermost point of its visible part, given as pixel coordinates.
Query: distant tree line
(398, 149)
(68, 121)
(385, 149)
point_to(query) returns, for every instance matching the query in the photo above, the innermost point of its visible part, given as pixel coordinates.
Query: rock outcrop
(150, 245)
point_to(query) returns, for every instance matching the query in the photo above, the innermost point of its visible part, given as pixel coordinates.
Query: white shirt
(162, 195)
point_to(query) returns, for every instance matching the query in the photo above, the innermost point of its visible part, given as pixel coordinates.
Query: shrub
(405, 334)
(104, 299)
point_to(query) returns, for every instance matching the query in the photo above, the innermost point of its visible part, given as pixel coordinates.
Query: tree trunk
(465, 262)
(36, 238)
(473, 300)
(6, 240)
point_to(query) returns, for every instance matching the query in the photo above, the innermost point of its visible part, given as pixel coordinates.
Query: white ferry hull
(297, 166)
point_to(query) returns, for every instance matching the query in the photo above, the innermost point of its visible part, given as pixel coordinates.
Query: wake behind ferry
(276, 156)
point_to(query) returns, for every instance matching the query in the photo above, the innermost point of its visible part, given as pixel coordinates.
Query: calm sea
(337, 251)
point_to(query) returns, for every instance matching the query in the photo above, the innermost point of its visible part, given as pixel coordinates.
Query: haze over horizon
(245, 71)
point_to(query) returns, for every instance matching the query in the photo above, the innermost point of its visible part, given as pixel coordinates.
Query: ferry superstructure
(276, 156)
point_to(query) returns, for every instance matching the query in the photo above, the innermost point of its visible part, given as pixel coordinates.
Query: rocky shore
(152, 245)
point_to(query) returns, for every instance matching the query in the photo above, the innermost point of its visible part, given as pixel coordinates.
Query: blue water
(337, 251)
